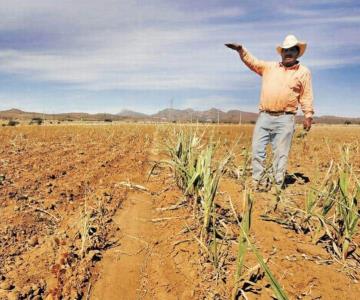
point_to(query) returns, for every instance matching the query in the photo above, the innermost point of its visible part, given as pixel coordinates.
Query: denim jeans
(277, 130)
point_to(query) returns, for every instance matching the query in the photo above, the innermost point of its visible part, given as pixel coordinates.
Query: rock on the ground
(6, 285)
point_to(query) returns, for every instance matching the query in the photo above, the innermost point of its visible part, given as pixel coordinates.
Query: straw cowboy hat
(291, 41)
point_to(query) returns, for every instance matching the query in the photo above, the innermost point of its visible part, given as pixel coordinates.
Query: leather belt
(278, 113)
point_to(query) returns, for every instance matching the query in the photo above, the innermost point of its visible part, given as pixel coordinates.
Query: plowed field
(81, 219)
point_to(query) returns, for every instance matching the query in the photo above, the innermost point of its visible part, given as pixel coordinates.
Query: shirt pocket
(294, 90)
(294, 84)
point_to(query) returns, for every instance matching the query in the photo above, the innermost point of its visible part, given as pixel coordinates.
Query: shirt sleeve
(306, 96)
(254, 64)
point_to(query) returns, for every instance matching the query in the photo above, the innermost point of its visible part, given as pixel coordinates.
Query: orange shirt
(282, 88)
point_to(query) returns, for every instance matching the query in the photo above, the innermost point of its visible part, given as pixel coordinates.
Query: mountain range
(212, 115)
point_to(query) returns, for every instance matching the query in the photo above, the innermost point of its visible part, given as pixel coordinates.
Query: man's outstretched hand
(307, 123)
(234, 46)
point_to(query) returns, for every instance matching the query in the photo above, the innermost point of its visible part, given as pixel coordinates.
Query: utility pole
(171, 108)
(218, 117)
(240, 118)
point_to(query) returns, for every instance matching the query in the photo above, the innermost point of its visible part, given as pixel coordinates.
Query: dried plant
(244, 242)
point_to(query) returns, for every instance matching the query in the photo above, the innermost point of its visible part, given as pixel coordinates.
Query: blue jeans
(277, 130)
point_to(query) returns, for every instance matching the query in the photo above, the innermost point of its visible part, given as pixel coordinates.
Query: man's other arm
(306, 100)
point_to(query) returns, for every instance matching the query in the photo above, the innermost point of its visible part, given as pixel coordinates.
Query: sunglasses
(292, 49)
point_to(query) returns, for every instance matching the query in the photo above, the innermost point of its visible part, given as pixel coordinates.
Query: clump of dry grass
(195, 171)
(93, 228)
(331, 213)
(242, 171)
(183, 158)
(198, 174)
(205, 181)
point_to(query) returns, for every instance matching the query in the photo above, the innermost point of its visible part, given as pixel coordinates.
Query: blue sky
(109, 55)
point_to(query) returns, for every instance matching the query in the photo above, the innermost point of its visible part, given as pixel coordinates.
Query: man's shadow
(296, 178)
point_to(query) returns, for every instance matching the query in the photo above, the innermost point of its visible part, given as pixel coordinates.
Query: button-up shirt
(283, 88)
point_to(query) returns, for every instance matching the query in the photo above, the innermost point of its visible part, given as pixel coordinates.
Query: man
(285, 84)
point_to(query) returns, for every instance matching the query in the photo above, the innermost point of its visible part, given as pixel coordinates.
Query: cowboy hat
(291, 41)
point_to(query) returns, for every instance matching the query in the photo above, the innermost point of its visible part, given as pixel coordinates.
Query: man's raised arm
(252, 62)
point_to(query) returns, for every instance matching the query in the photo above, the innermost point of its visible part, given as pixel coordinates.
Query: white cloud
(144, 70)
(105, 14)
(164, 45)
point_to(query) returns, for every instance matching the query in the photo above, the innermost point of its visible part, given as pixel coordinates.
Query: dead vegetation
(198, 175)
(330, 213)
(61, 188)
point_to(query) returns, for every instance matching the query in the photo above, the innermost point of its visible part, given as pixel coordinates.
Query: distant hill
(132, 114)
(17, 114)
(212, 115)
(174, 115)
(337, 120)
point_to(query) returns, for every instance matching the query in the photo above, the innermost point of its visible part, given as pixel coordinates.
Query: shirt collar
(294, 67)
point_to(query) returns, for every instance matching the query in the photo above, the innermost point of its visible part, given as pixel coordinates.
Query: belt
(278, 113)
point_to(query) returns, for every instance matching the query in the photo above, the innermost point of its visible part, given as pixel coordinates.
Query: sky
(109, 55)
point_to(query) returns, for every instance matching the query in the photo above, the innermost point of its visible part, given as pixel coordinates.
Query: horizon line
(167, 108)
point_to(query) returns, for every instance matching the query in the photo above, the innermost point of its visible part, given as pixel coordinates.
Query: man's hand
(307, 123)
(234, 46)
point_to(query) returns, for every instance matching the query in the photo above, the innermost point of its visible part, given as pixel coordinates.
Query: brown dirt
(52, 174)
